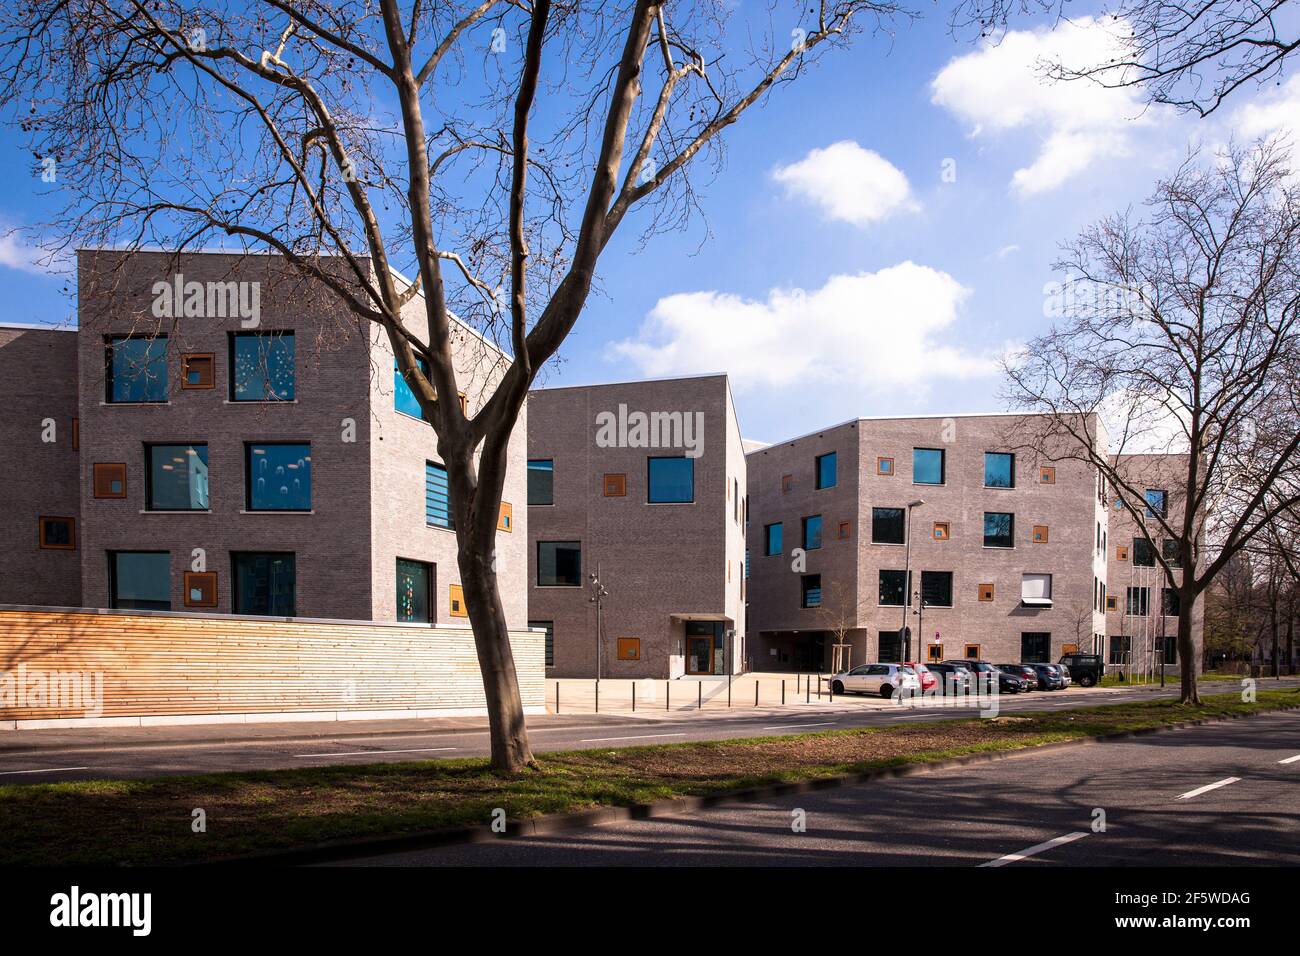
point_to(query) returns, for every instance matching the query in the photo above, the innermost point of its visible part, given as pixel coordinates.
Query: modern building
(1141, 607)
(938, 536)
(220, 433)
(642, 483)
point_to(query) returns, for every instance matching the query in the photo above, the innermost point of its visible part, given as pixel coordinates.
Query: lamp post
(907, 582)
(597, 593)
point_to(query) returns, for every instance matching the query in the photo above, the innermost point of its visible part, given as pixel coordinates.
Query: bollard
(634, 697)
(699, 694)
(807, 692)
(728, 690)
(668, 695)
(598, 697)
(830, 691)
(756, 692)
(819, 686)
(782, 693)
(557, 696)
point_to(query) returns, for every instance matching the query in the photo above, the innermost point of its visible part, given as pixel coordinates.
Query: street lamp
(905, 634)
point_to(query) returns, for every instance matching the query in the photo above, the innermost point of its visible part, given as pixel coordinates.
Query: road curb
(336, 851)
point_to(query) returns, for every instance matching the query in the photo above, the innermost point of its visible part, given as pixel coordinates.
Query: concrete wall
(332, 542)
(661, 563)
(38, 477)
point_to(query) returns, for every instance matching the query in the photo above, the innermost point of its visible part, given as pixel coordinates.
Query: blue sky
(846, 274)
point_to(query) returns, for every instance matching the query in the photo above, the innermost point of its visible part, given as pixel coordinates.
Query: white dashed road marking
(599, 740)
(378, 753)
(7, 773)
(1035, 850)
(1208, 787)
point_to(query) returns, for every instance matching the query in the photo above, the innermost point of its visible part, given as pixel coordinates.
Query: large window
(140, 580)
(891, 647)
(927, 466)
(1169, 550)
(810, 590)
(936, 588)
(437, 497)
(559, 564)
(404, 399)
(1169, 649)
(1143, 554)
(414, 585)
(541, 481)
(772, 536)
(549, 626)
(999, 529)
(887, 525)
(1036, 590)
(1120, 648)
(812, 532)
(1035, 647)
(279, 476)
(1170, 602)
(670, 480)
(265, 583)
(999, 469)
(262, 366)
(177, 477)
(1138, 602)
(826, 470)
(893, 588)
(136, 369)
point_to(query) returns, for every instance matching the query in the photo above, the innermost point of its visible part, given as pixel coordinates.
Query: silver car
(882, 679)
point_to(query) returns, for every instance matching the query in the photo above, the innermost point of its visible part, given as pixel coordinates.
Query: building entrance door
(705, 647)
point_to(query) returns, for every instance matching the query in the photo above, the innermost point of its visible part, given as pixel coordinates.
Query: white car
(882, 679)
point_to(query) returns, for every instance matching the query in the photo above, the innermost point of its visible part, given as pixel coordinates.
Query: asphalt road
(43, 757)
(1223, 794)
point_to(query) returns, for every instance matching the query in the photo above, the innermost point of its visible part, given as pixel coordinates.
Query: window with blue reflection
(826, 470)
(140, 580)
(812, 532)
(178, 477)
(262, 366)
(999, 469)
(437, 497)
(404, 399)
(279, 477)
(670, 480)
(541, 481)
(927, 466)
(773, 534)
(137, 368)
(999, 529)
(1155, 503)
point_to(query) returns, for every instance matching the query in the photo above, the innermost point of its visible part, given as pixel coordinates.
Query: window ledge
(277, 511)
(175, 511)
(891, 544)
(662, 503)
(132, 404)
(998, 547)
(558, 587)
(260, 401)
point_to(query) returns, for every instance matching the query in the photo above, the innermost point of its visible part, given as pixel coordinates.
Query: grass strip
(148, 821)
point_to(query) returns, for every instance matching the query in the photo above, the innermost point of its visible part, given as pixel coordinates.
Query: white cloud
(1278, 113)
(849, 183)
(873, 332)
(15, 255)
(1003, 87)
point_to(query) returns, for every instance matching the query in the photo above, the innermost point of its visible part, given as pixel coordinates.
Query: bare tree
(1182, 329)
(1191, 56)
(506, 140)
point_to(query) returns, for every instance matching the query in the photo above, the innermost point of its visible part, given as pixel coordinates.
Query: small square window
(846, 530)
(457, 600)
(1040, 534)
(200, 588)
(884, 466)
(58, 534)
(1112, 603)
(787, 484)
(616, 486)
(1121, 553)
(506, 519)
(109, 479)
(1047, 475)
(629, 648)
(934, 653)
(986, 592)
(972, 652)
(199, 370)
(941, 531)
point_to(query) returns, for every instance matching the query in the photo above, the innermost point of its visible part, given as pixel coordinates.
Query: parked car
(1024, 671)
(1049, 676)
(950, 678)
(1085, 669)
(928, 680)
(882, 679)
(991, 673)
(1065, 674)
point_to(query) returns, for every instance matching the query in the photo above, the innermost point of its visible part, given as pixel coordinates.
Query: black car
(1025, 672)
(1085, 669)
(951, 679)
(1049, 678)
(1007, 683)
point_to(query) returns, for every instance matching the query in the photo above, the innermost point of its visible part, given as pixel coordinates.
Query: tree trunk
(1186, 647)
(1273, 625)
(510, 749)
